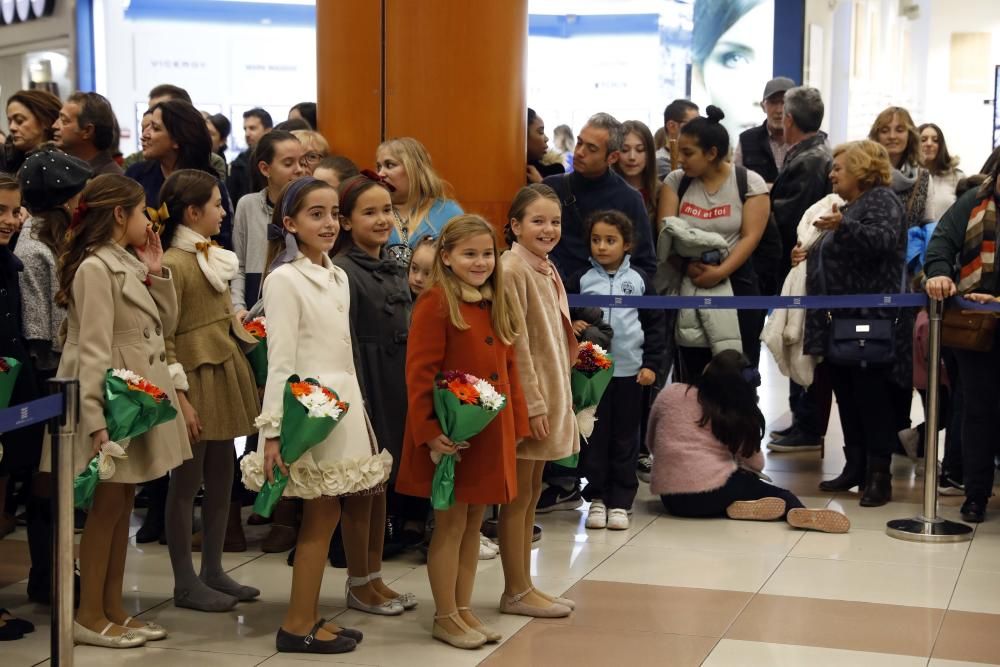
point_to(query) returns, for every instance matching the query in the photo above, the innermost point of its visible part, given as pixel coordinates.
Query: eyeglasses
(312, 157)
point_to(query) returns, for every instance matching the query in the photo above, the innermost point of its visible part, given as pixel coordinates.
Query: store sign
(19, 11)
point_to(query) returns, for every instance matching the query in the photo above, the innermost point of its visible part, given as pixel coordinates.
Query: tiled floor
(666, 592)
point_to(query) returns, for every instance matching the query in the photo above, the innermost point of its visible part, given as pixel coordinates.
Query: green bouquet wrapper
(299, 433)
(8, 378)
(588, 388)
(459, 422)
(258, 362)
(128, 414)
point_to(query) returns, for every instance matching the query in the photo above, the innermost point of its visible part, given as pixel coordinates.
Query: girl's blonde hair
(911, 154)
(313, 140)
(505, 313)
(426, 186)
(94, 225)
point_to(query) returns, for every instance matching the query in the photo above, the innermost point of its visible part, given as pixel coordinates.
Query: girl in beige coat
(121, 306)
(546, 350)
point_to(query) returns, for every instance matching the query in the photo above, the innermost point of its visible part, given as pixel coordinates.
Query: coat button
(163, 356)
(159, 330)
(151, 359)
(340, 307)
(350, 371)
(145, 332)
(494, 377)
(489, 340)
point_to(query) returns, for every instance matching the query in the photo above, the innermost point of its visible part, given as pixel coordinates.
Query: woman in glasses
(314, 148)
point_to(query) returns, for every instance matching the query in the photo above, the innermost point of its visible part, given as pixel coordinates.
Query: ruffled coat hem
(310, 479)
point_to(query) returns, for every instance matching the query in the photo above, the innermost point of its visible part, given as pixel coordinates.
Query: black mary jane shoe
(17, 624)
(350, 633)
(286, 642)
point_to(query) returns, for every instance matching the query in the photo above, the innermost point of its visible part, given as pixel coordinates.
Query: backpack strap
(683, 187)
(741, 183)
(568, 199)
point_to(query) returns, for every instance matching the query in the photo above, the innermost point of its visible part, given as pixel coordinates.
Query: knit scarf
(470, 294)
(217, 264)
(978, 251)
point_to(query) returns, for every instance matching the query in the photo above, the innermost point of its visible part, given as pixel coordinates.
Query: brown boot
(236, 541)
(284, 528)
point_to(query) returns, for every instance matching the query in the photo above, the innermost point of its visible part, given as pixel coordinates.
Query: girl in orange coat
(467, 322)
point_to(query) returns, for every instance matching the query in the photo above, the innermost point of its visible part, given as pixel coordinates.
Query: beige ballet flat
(492, 636)
(130, 639)
(512, 605)
(566, 602)
(151, 631)
(470, 639)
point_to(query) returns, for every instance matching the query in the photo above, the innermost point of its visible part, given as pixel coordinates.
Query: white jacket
(786, 327)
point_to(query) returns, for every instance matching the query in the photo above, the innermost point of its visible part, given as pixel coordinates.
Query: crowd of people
(376, 282)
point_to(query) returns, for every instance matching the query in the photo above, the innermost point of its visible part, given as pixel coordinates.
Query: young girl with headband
(307, 301)
(215, 386)
(121, 304)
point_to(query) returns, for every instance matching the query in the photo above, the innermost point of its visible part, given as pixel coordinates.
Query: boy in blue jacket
(608, 459)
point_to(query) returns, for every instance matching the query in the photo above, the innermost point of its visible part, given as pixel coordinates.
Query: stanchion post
(929, 527)
(61, 430)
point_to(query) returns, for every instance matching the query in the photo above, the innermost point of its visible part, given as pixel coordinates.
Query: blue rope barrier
(823, 302)
(30, 413)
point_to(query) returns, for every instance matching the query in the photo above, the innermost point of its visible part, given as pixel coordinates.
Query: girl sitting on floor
(705, 440)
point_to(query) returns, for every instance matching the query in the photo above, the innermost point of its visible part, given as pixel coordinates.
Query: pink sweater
(687, 458)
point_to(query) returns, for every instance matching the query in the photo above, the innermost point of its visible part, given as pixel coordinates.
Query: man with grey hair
(593, 186)
(803, 181)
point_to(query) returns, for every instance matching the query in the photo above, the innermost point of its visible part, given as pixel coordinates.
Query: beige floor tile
(644, 608)
(291, 660)
(564, 560)
(758, 537)
(969, 636)
(875, 518)
(688, 568)
(978, 591)
(152, 656)
(733, 653)
(984, 554)
(936, 662)
(877, 547)
(836, 624)
(543, 644)
(247, 630)
(569, 526)
(908, 585)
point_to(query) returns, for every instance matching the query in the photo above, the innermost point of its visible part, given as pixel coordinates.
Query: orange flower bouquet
(588, 380)
(257, 327)
(464, 406)
(310, 411)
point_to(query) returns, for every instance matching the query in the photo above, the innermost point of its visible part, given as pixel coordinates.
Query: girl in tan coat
(546, 351)
(215, 387)
(121, 306)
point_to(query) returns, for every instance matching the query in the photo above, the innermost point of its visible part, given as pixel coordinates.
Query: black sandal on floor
(286, 642)
(18, 624)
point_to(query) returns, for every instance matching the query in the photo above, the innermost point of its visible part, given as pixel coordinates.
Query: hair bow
(158, 216)
(291, 250)
(81, 210)
(381, 180)
(205, 246)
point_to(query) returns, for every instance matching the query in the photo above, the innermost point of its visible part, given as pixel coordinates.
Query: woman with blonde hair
(861, 252)
(421, 201)
(315, 147)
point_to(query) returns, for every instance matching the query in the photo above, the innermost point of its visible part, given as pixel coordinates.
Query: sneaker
(555, 498)
(949, 487)
(488, 543)
(796, 441)
(486, 552)
(618, 519)
(909, 438)
(597, 516)
(644, 468)
(783, 432)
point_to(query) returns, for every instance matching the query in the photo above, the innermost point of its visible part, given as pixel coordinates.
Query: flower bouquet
(132, 406)
(589, 378)
(10, 368)
(310, 411)
(464, 406)
(257, 327)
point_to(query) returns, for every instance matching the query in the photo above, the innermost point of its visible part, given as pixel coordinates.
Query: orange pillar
(450, 73)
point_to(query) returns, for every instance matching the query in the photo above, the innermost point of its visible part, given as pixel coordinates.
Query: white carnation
(489, 397)
(126, 375)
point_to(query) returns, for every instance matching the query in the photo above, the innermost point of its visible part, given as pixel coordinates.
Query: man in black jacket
(762, 149)
(803, 181)
(256, 123)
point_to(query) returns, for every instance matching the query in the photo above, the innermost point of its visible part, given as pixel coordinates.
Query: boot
(284, 528)
(152, 529)
(236, 541)
(852, 475)
(878, 484)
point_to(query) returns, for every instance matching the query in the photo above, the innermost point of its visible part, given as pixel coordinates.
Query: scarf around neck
(978, 254)
(470, 294)
(218, 265)
(545, 267)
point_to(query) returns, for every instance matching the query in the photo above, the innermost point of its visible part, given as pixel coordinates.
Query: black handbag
(860, 342)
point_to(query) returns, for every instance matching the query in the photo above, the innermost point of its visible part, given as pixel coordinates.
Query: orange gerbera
(464, 391)
(256, 328)
(147, 387)
(301, 389)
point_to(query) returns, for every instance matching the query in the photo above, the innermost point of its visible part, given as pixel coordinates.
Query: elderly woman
(862, 252)
(968, 232)
(315, 147)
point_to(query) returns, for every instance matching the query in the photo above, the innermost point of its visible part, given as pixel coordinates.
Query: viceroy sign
(20, 11)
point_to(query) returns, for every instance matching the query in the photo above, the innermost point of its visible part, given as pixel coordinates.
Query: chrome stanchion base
(920, 529)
